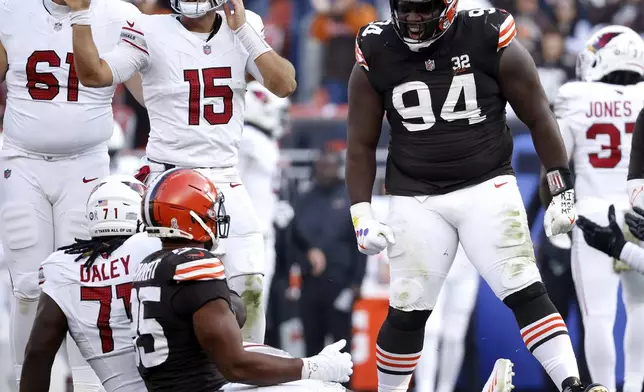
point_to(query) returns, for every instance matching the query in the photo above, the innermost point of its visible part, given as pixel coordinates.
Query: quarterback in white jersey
(259, 157)
(86, 291)
(597, 116)
(194, 68)
(55, 130)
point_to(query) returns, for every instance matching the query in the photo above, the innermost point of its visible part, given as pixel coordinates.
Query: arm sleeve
(633, 255)
(255, 21)
(129, 56)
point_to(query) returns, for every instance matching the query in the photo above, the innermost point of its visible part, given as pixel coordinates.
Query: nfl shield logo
(430, 65)
(7, 173)
(207, 49)
(58, 26)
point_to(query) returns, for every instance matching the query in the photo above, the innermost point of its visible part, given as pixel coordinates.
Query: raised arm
(118, 66)
(265, 65)
(47, 334)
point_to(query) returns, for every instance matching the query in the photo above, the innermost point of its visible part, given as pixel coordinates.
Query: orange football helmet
(183, 203)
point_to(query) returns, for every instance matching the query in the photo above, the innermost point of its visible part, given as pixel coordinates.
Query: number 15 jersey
(193, 87)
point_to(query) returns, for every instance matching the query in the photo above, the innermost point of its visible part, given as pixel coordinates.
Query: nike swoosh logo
(500, 185)
(86, 180)
(572, 220)
(200, 254)
(235, 185)
(361, 246)
(130, 24)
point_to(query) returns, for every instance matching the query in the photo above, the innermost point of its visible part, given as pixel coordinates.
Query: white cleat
(501, 378)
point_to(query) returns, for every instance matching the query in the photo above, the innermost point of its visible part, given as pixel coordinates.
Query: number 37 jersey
(596, 122)
(443, 103)
(96, 302)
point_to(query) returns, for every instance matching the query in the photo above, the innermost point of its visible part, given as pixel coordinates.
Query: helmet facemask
(195, 9)
(417, 21)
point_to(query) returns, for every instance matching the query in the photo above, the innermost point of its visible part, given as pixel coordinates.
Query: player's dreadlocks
(93, 248)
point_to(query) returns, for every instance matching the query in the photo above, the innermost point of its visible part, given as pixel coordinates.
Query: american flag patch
(102, 203)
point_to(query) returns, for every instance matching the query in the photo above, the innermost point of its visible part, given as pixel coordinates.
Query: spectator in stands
(552, 72)
(335, 25)
(333, 272)
(530, 21)
(571, 25)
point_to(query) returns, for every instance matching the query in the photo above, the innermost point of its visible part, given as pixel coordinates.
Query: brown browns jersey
(443, 103)
(169, 287)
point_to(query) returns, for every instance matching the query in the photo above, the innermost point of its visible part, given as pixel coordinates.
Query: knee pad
(407, 321)
(249, 288)
(412, 293)
(20, 238)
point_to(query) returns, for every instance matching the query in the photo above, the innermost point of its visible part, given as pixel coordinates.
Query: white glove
(329, 365)
(561, 214)
(372, 236)
(636, 192)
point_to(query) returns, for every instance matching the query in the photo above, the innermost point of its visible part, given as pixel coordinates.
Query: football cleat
(501, 378)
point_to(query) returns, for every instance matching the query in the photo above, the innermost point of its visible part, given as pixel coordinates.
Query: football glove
(636, 192)
(372, 236)
(635, 223)
(561, 213)
(329, 365)
(608, 239)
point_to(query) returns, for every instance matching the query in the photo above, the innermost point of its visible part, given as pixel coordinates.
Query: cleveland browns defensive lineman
(443, 79)
(186, 336)
(86, 291)
(194, 68)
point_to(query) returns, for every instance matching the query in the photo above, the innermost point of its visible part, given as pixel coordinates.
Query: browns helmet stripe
(148, 206)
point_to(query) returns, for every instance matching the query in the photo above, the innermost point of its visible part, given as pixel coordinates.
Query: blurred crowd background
(314, 240)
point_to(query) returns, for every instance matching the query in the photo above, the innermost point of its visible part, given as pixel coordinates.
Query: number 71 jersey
(96, 303)
(443, 103)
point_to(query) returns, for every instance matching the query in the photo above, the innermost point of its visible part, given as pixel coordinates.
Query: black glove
(636, 223)
(608, 239)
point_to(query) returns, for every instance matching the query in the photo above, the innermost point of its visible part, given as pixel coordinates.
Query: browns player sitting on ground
(187, 337)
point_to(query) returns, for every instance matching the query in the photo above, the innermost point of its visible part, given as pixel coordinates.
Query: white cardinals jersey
(97, 305)
(259, 170)
(193, 88)
(48, 111)
(596, 122)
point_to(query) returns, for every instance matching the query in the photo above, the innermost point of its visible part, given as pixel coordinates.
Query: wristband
(360, 210)
(308, 368)
(252, 41)
(80, 18)
(559, 180)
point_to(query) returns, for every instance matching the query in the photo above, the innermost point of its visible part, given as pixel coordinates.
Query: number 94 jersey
(596, 122)
(169, 287)
(96, 303)
(443, 103)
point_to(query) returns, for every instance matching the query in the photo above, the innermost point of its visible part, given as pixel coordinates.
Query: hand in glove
(561, 213)
(635, 223)
(329, 365)
(372, 236)
(608, 239)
